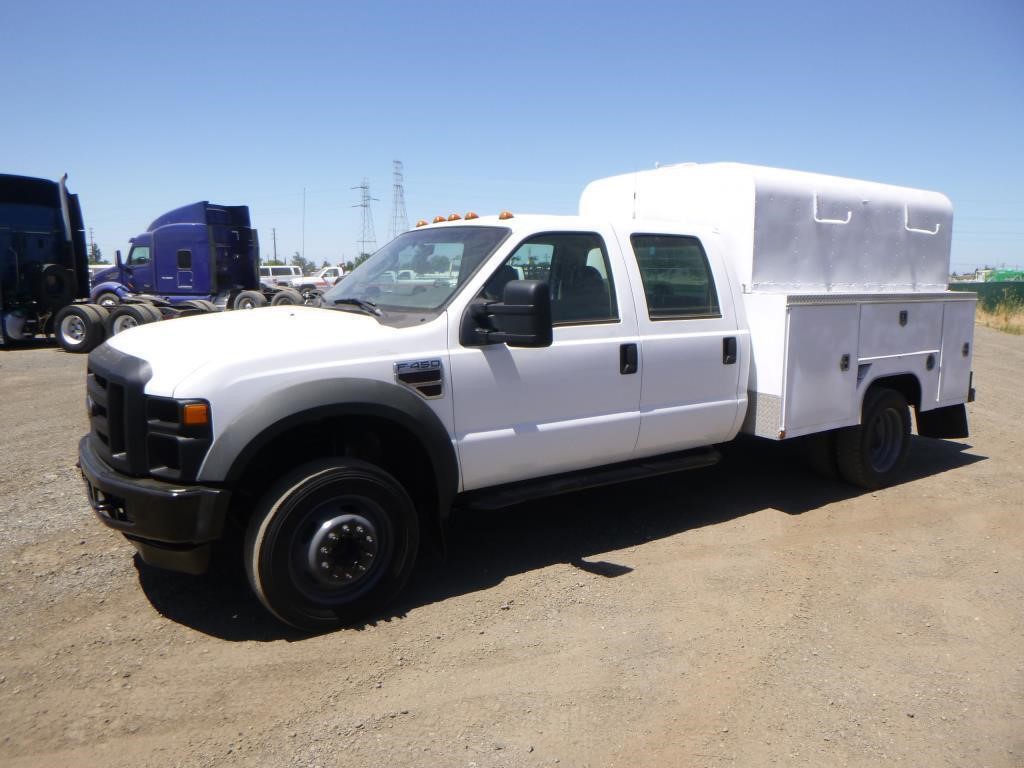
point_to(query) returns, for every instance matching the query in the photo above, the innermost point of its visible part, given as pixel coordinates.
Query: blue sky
(504, 105)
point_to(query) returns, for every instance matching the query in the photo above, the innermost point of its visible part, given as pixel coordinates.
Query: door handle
(628, 361)
(729, 350)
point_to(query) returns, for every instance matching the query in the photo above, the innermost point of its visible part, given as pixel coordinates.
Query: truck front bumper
(172, 526)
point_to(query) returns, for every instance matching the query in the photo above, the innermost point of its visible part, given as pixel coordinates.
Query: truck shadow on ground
(484, 548)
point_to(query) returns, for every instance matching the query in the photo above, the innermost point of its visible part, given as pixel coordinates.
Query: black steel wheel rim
(885, 441)
(340, 549)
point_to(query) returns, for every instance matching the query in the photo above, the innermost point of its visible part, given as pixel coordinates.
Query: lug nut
(325, 565)
(332, 536)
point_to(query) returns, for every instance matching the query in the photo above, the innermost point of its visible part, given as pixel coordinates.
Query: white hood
(231, 345)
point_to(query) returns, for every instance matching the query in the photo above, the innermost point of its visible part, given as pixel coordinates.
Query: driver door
(522, 413)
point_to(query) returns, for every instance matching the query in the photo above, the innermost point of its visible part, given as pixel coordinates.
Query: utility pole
(303, 222)
(92, 248)
(273, 233)
(399, 218)
(367, 239)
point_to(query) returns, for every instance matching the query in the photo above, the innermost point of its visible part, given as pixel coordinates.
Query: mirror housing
(117, 258)
(521, 319)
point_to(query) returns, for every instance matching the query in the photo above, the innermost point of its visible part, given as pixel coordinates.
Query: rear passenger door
(690, 349)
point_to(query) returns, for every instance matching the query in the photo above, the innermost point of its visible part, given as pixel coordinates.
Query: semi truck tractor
(195, 259)
(199, 252)
(43, 261)
(682, 307)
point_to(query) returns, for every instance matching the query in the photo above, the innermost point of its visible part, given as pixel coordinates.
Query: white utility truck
(684, 305)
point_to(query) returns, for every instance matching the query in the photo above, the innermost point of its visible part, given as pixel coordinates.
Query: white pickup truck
(684, 305)
(320, 280)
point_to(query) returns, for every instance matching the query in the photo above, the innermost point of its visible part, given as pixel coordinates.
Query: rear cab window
(677, 279)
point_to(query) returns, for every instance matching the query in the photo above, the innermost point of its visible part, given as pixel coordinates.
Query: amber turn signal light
(195, 414)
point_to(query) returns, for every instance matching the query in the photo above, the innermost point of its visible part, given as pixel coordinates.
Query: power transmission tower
(367, 239)
(399, 218)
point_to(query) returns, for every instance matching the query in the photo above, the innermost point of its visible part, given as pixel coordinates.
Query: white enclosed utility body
(485, 361)
(836, 275)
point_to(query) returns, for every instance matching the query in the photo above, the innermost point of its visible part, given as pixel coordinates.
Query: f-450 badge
(426, 377)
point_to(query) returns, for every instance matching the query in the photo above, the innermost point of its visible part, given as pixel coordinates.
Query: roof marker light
(505, 215)
(454, 217)
(439, 219)
(470, 215)
(422, 223)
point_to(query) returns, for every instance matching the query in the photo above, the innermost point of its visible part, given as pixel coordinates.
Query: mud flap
(947, 422)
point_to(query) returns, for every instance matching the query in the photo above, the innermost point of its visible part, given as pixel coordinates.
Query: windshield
(418, 270)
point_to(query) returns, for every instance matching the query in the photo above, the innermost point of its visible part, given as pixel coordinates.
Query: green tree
(304, 264)
(95, 255)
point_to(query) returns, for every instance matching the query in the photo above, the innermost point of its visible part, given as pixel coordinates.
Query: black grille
(117, 409)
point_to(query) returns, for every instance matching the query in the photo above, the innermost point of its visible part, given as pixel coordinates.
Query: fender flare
(109, 286)
(309, 402)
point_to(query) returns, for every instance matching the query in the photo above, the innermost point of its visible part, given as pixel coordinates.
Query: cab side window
(139, 256)
(575, 267)
(677, 278)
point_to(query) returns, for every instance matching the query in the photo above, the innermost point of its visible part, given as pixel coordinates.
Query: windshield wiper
(366, 306)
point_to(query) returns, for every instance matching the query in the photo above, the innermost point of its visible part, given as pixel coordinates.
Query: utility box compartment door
(899, 328)
(957, 351)
(821, 367)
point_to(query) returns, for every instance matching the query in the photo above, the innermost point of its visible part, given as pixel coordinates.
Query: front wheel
(873, 453)
(332, 541)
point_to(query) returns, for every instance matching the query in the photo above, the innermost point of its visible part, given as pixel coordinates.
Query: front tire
(873, 453)
(332, 541)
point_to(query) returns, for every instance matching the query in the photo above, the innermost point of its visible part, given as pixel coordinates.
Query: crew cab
(683, 306)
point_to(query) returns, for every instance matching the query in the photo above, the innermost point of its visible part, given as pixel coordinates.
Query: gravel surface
(750, 614)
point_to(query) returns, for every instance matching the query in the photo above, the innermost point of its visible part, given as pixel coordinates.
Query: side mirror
(521, 319)
(117, 258)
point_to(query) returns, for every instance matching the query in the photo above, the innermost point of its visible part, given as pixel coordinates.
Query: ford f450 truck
(683, 306)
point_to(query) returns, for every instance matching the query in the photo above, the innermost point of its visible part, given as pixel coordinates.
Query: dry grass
(1006, 316)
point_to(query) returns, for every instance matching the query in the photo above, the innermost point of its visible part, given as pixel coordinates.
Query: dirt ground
(751, 614)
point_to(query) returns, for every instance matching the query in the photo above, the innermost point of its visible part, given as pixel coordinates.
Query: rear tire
(286, 296)
(127, 316)
(820, 450)
(201, 304)
(249, 300)
(872, 454)
(333, 540)
(80, 327)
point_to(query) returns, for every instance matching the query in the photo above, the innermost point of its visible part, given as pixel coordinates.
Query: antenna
(399, 218)
(367, 239)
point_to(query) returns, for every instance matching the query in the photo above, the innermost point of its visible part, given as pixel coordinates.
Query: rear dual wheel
(286, 296)
(330, 542)
(80, 327)
(873, 453)
(127, 316)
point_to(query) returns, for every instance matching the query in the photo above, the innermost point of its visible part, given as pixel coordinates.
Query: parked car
(279, 274)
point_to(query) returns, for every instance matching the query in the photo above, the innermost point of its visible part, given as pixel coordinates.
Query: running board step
(502, 496)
